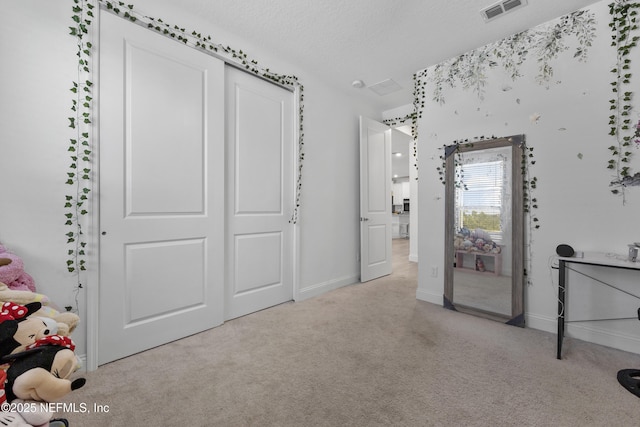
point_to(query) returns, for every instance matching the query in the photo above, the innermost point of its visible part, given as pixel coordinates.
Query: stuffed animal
(21, 297)
(13, 419)
(31, 412)
(42, 372)
(12, 272)
(66, 321)
(11, 316)
(37, 365)
(32, 330)
(479, 233)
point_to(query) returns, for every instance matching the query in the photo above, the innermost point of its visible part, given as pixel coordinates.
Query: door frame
(92, 225)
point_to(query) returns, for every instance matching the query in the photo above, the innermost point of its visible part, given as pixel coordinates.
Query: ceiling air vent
(500, 8)
(492, 12)
(385, 87)
(511, 4)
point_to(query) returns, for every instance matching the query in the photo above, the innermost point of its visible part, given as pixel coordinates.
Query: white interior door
(161, 190)
(260, 194)
(375, 199)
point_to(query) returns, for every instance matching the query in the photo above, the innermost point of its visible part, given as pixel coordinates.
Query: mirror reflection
(484, 228)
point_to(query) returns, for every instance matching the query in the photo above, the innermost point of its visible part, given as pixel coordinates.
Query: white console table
(590, 258)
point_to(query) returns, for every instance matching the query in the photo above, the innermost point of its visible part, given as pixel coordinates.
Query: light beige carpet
(365, 355)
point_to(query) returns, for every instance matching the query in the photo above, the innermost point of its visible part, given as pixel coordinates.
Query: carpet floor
(368, 354)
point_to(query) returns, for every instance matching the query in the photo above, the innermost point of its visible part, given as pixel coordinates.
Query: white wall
(39, 62)
(576, 206)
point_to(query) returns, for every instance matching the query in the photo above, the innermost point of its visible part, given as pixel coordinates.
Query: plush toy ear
(8, 328)
(32, 307)
(12, 357)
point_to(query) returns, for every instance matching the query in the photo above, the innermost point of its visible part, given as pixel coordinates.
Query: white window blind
(480, 204)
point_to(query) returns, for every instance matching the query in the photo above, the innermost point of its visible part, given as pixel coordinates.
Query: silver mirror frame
(517, 143)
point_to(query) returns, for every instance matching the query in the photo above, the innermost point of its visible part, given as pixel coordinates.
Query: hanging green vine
(546, 42)
(206, 44)
(623, 27)
(459, 170)
(470, 71)
(419, 95)
(79, 172)
(529, 183)
(79, 149)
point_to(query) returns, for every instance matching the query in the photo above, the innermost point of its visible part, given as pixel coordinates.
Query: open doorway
(404, 191)
(376, 197)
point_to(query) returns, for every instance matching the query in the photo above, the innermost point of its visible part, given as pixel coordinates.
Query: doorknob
(364, 219)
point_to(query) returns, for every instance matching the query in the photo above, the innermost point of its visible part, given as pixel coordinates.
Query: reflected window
(479, 205)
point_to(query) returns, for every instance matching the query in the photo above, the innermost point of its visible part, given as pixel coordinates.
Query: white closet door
(161, 190)
(260, 192)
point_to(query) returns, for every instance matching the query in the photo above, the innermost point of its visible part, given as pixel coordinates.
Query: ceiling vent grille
(385, 87)
(492, 12)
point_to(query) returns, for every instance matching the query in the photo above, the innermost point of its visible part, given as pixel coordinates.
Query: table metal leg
(561, 298)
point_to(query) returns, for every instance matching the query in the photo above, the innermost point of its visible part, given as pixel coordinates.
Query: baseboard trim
(82, 361)
(321, 288)
(423, 295)
(541, 323)
(413, 257)
(586, 332)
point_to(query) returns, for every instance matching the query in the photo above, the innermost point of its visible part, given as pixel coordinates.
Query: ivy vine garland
(79, 171)
(623, 25)
(79, 149)
(206, 44)
(419, 94)
(546, 41)
(470, 70)
(528, 160)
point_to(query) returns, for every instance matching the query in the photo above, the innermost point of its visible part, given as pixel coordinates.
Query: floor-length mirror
(484, 247)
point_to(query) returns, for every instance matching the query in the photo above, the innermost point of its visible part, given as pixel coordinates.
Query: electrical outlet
(434, 271)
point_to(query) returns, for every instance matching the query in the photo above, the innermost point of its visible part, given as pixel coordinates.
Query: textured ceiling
(372, 40)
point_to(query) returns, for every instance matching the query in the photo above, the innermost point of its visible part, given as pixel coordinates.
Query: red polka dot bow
(12, 311)
(58, 340)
